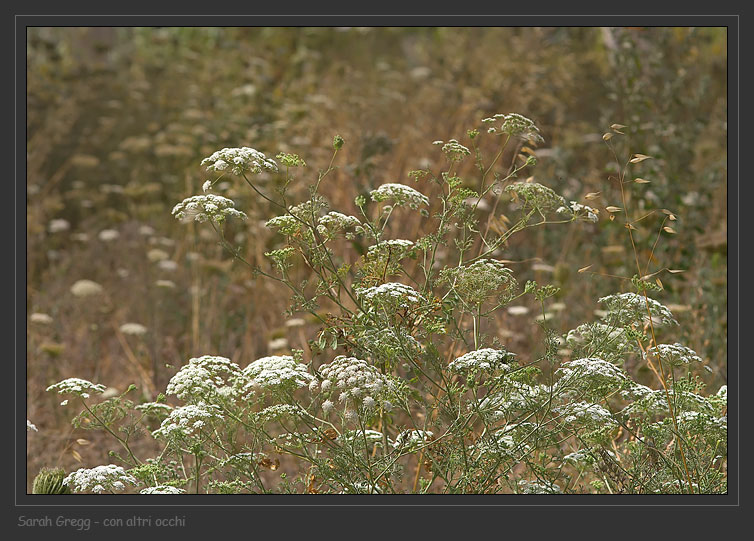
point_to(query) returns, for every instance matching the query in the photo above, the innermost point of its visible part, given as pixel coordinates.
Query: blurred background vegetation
(118, 120)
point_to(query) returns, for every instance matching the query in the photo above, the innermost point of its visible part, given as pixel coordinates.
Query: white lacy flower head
(613, 341)
(157, 409)
(534, 195)
(411, 438)
(334, 222)
(58, 225)
(391, 297)
(188, 421)
(80, 387)
(400, 195)
(628, 308)
(674, 354)
(580, 458)
(204, 377)
(38, 317)
(107, 235)
(454, 150)
(155, 254)
(372, 437)
(206, 207)
(276, 372)
(286, 224)
(538, 487)
(356, 380)
(135, 329)
(482, 360)
(515, 125)
(591, 373)
(516, 396)
(396, 248)
(30, 426)
(239, 160)
(656, 403)
(505, 443)
(580, 212)
(162, 489)
(99, 479)
(586, 414)
(86, 288)
(477, 281)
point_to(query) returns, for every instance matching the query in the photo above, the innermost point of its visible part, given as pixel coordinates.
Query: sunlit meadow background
(118, 120)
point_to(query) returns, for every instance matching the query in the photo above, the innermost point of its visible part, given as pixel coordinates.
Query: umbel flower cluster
(407, 386)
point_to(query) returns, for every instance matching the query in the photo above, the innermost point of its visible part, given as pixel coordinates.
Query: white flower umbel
(134, 329)
(333, 223)
(31, 427)
(391, 297)
(480, 280)
(591, 375)
(409, 439)
(586, 414)
(43, 319)
(188, 421)
(538, 487)
(580, 212)
(58, 225)
(239, 160)
(358, 437)
(99, 479)
(157, 409)
(397, 249)
(108, 235)
(355, 380)
(400, 195)
(482, 360)
(674, 354)
(206, 207)
(276, 372)
(515, 125)
(162, 489)
(86, 288)
(533, 195)
(454, 150)
(627, 308)
(80, 387)
(203, 378)
(504, 444)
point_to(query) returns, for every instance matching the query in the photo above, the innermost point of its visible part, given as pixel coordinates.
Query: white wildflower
(399, 194)
(99, 479)
(411, 438)
(80, 387)
(482, 360)
(203, 377)
(538, 487)
(206, 207)
(188, 421)
(240, 160)
(155, 254)
(86, 288)
(273, 372)
(162, 489)
(108, 235)
(674, 354)
(392, 296)
(627, 308)
(58, 225)
(134, 329)
(167, 265)
(38, 317)
(30, 426)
